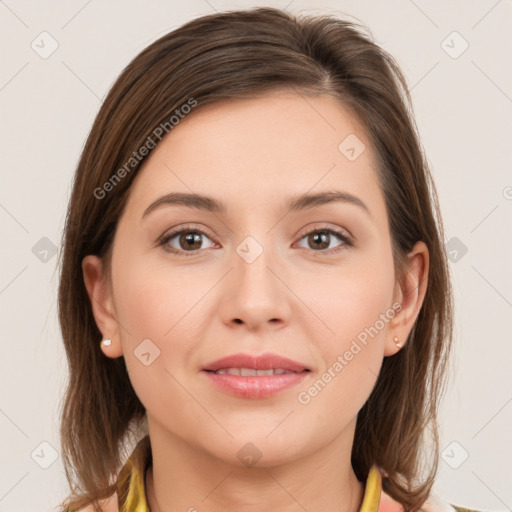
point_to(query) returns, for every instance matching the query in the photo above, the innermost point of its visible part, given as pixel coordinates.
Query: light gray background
(463, 109)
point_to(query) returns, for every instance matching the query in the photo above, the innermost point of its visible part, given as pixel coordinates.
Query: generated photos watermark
(305, 397)
(137, 156)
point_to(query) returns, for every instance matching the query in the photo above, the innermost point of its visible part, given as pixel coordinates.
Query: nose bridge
(253, 261)
(257, 295)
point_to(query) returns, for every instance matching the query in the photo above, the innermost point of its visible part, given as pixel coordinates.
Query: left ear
(410, 295)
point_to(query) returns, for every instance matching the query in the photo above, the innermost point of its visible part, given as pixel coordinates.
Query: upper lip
(259, 362)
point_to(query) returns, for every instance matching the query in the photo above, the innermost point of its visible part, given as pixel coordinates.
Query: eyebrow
(295, 203)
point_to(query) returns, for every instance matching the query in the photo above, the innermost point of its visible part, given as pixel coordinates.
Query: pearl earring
(106, 343)
(397, 343)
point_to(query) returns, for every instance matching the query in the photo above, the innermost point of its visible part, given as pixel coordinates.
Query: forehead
(253, 151)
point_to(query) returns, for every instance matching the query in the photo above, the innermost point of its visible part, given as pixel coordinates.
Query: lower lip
(255, 387)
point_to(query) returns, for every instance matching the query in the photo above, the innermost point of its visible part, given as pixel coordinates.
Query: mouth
(243, 364)
(250, 383)
(251, 372)
(254, 376)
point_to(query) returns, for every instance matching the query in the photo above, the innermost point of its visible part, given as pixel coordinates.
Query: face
(314, 284)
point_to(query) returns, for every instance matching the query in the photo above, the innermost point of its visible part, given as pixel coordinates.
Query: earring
(397, 343)
(106, 343)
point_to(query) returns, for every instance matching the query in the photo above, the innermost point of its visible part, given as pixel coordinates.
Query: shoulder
(107, 505)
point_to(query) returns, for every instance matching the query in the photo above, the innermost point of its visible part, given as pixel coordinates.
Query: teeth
(248, 372)
(251, 372)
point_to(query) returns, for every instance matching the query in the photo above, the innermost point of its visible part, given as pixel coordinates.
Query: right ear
(102, 305)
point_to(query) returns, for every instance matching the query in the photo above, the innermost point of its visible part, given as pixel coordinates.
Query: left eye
(322, 238)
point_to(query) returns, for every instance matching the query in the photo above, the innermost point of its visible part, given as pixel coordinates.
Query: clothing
(131, 491)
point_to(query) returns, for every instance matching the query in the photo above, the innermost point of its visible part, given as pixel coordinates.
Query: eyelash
(347, 241)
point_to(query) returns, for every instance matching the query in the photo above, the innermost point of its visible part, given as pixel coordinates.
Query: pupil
(323, 236)
(189, 239)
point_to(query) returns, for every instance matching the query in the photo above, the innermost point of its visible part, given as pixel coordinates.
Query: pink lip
(255, 387)
(261, 362)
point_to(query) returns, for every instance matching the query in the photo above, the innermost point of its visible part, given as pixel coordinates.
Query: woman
(254, 295)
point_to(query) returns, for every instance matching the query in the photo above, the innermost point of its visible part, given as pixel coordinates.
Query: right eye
(187, 238)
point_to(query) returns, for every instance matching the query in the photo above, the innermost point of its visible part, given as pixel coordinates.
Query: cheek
(157, 308)
(350, 298)
(151, 299)
(143, 305)
(354, 306)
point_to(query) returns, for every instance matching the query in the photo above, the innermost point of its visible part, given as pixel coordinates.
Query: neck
(183, 477)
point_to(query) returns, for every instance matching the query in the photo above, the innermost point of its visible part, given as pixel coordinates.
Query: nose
(255, 294)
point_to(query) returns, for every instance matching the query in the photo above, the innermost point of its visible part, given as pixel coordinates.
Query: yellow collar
(131, 490)
(372, 492)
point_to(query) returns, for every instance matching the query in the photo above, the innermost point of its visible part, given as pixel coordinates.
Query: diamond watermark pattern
(45, 45)
(44, 250)
(249, 249)
(455, 455)
(456, 249)
(146, 352)
(454, 45)
(249, 454)
(352, 147)
(44, 455)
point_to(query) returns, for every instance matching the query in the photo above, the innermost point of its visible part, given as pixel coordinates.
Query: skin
(295, 299)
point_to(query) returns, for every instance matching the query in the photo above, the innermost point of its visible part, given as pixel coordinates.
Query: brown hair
(242, 54)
